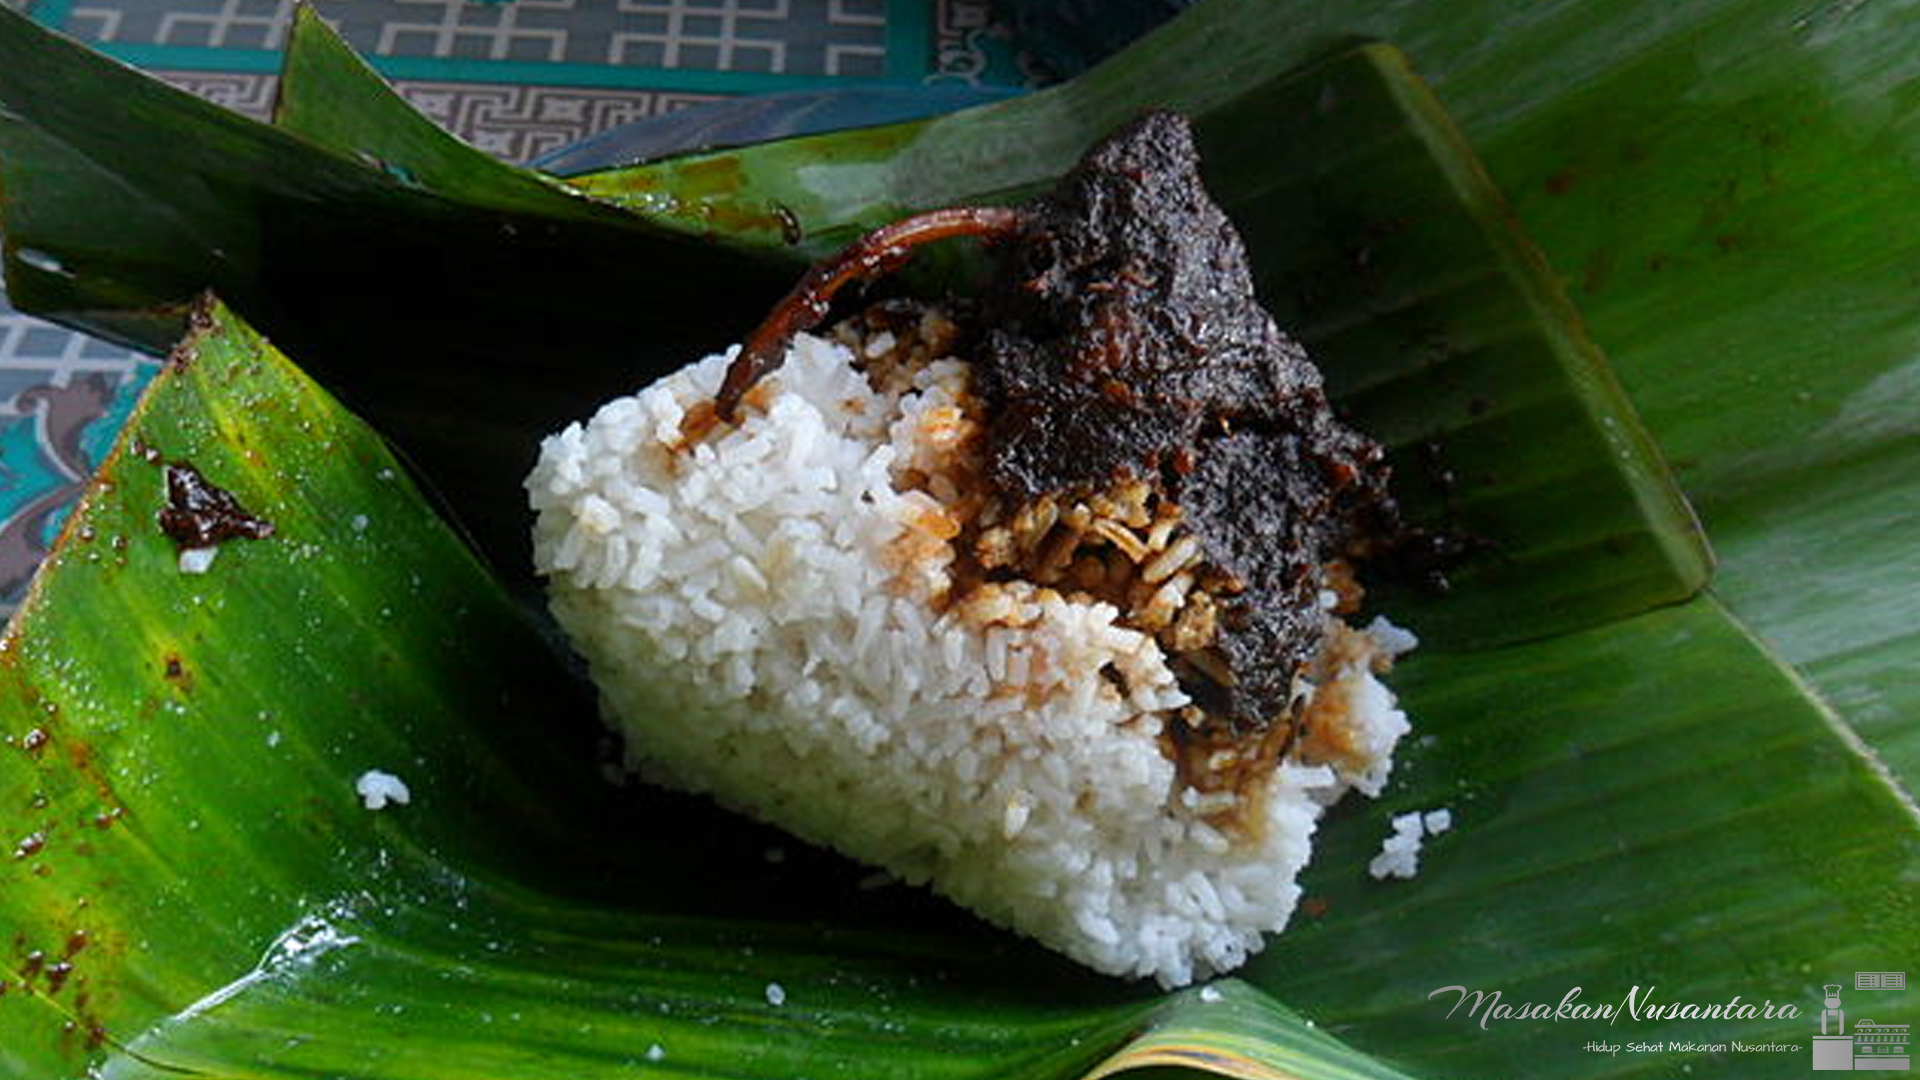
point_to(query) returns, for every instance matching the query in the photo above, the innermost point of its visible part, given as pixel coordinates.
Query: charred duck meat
(1123, 346)
(1036, 596)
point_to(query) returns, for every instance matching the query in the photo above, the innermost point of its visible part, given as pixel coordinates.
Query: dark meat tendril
(1123, 340)
(880, 252)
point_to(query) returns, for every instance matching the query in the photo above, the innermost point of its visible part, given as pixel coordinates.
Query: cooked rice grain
(763, 613)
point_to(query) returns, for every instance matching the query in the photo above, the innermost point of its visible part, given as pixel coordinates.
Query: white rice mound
(756, 634)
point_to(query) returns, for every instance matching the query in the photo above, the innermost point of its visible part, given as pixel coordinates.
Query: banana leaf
(202, 892)
(1652, 798)
(295, 236)
(1724, 188)
(1378, 173)
(1369, 169)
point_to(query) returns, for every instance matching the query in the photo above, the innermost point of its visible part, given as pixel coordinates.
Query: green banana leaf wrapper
(1669, 792)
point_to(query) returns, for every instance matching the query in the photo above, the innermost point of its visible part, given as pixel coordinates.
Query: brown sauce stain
(81, 756)
(703, 417)
(1329, 730)
(760, 398)
(998, 555)
(716, 174)
(695, 425)
(1329, 734)
(1211, 757)
(176, 672)
(200, 514)
(1120, 378)
(199, 325)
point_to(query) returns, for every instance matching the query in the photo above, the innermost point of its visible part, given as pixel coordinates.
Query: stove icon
(1880, 1046)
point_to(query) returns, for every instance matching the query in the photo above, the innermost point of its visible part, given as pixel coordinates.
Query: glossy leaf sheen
(1726, 188)
(1445, 304)
(1381, 243)
(512, 916)
(395, 294)
(225, 902)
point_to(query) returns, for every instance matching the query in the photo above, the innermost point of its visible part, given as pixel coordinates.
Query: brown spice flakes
(1345, 586)
(923, 542)
(1122, 543)
(702, 417)
(1227, 767)
(1211, 665)
(1171, 561)
(1145, 436)
(1119, 535)
(1328, 728)
(698, 420)
(1196, 627)
(1127, 541)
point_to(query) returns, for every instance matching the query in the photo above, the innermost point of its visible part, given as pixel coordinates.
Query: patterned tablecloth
(517, 78)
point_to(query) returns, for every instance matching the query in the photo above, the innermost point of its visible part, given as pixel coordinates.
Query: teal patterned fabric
(63, 398)
(711, 46)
